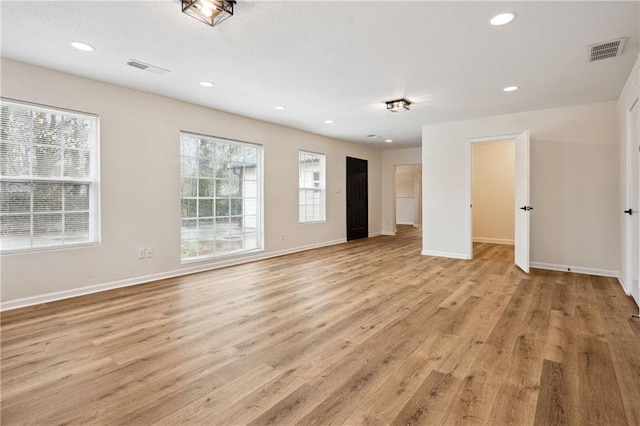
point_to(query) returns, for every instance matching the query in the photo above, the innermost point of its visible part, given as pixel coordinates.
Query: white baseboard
(623, 284)
(375, 234)
(96, 288)
(575, 269)
(493, 240)
(388, 233)
(405, 223)
(444, 254)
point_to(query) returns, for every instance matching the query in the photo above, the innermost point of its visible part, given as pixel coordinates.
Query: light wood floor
(367, 332)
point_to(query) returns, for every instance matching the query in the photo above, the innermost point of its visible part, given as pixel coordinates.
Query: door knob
(629, 212)
(526, 208)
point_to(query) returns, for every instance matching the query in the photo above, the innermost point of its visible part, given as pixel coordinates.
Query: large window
(311, 187)
(48, 177)
(221, 196)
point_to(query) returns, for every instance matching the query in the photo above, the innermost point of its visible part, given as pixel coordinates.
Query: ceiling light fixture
(511, 88)
(502, 19)
(211, 12)
(398, 105)
(83, 46)
(328, 121)
(280, 107)
(206, 84)
(373, 136)
(389, 140)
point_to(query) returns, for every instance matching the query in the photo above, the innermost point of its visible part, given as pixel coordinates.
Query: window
(221, 196)
(48, 177)
(312, 187)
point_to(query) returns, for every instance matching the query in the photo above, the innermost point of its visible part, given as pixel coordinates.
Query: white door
(523, 207)
(633, 205)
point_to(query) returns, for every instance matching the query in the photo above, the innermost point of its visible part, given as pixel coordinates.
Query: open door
(522, 204)
(633, 204)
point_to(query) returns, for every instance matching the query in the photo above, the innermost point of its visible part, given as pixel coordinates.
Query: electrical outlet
(141, 253)
(149, 252)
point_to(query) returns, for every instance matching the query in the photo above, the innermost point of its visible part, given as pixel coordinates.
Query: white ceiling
(340, 60)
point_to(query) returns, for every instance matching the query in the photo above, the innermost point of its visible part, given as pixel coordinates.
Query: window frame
(259, 180)
(322, 187)
(93, 181)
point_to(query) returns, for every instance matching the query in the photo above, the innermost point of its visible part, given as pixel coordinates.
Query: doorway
(357, 199)
(521, 207)
(407, 192)
(493, 193)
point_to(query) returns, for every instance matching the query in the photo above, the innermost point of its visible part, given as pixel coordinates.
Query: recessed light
(206, 84)
(83, 46)
(502, 19)
(511, 88)
(328, 121)
(389, 140)
(280, 107)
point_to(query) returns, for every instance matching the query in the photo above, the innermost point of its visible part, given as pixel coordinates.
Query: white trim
(493, 240)
(375, 234)
(391, 233)
(623, 285)
(405, 223)
(575, 269)
(445, 254)
(495, 139)
(96, 288)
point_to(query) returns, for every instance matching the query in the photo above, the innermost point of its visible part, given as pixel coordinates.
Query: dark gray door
(357, 199)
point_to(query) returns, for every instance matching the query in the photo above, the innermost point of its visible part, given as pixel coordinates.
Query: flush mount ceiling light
(502, 19)
(398, 105)
(211, 12)
(373, 136)
(83, 46)
(328, 121)
(206, 84)
(511, 88)
(389, 140)
(280, 107)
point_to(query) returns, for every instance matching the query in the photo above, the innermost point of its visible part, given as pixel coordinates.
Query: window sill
(34, 250)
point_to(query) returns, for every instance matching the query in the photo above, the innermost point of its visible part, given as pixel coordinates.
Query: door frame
(470, 143)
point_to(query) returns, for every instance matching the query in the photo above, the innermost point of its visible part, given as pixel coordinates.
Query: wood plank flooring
(367, 332)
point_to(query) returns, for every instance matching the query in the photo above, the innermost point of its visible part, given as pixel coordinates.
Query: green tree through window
(220, 204)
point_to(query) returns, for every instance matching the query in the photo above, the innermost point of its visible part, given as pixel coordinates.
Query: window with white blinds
(48, 177)
(221, 196)
(312, 194)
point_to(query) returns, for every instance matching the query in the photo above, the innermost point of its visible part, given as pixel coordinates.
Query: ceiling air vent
(146, 67)
(605, 50)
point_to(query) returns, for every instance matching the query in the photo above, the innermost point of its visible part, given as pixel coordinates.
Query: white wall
(493, 192)
(140, 192)
(574, 184)
(627, 97)
(390, 158)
